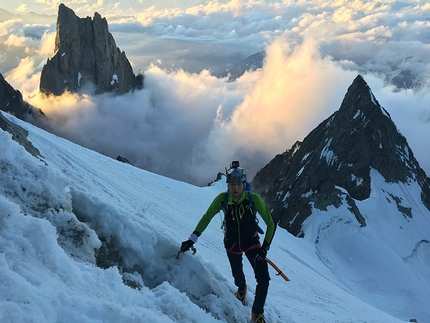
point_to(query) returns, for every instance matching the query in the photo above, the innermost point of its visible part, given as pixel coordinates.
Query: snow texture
(58, 214)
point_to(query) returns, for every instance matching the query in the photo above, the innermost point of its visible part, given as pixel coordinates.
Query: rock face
(86, 58)
(11, 100)
(337, 157)
(19, 134)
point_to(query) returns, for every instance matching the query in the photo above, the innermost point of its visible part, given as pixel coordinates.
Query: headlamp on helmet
(236, 174)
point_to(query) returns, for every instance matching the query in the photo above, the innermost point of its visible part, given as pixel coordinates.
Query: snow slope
(55, 211)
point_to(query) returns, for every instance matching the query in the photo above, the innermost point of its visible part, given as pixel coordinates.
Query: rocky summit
(86, 58)
(333, 163)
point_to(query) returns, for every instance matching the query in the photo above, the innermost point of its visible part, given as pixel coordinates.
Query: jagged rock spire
(85, 55)
(339, 153)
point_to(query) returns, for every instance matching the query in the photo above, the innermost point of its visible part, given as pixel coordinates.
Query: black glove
(260, 255)
(186, 245)
(262, 252)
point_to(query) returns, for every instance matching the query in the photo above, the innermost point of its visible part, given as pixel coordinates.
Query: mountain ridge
(339, 152)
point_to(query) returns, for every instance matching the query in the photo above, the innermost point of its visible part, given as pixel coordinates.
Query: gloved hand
(261, 253)
(186, 245)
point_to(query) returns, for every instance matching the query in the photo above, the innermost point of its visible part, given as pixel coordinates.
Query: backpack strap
(225, 203)
(224, 206)
(253, 209)
(251, 204)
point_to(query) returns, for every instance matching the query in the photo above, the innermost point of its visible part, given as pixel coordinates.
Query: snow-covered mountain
(355, 189)
(85, 238)
(334, 165)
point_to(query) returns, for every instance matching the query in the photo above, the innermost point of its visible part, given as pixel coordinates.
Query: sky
(58, 209)
(188, 124)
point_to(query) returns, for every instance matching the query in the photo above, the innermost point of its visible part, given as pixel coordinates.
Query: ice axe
(279, 271)
(193, 251)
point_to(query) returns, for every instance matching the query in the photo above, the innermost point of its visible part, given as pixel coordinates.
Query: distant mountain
(86, 59)
(29, 18)
(400, 78)
(6, 15)
(333, 166)
(250, 63)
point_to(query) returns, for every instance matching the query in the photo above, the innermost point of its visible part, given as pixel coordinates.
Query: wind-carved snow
(358, 180)
(357, 114)
(79, 79)
(294, 218)
(296, 149)
(305, 156)
(391, 252)
(329, 122)
(372, 97)
(385, 112)
(329, 155)
(300, 171)
(93, 239)
(404, 154)
(307, 194)
(114, 79)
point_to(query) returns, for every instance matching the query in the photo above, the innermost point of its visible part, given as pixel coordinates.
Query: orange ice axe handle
(279, 271)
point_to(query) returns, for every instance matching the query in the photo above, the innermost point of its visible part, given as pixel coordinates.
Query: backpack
(224, 204)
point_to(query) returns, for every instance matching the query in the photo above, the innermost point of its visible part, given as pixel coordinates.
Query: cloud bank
(188, 124)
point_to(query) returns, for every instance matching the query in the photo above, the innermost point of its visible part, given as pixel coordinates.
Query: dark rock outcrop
(19, 134)
(86, 58)
(11, 100)
(333, 162)
(123, 160)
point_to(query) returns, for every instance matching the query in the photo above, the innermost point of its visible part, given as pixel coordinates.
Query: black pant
(262, 277)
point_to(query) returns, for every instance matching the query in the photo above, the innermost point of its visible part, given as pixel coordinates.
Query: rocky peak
(86, 58)
(337, 156)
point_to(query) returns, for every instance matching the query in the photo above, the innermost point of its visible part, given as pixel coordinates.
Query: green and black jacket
(240, 221)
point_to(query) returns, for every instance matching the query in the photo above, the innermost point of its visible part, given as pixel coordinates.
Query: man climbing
(241, 235)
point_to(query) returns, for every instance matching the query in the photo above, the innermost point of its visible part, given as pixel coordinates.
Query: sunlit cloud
(20, 75)
(22, 8)
(189, 124)
(47, 44)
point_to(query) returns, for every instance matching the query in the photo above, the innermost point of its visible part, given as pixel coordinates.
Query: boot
(258, 318)
(240, 294)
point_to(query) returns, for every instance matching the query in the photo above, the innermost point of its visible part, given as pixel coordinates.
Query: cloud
(47, 44)
(20, 74)
(189, 125)
(292, 94)
(22, 8)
